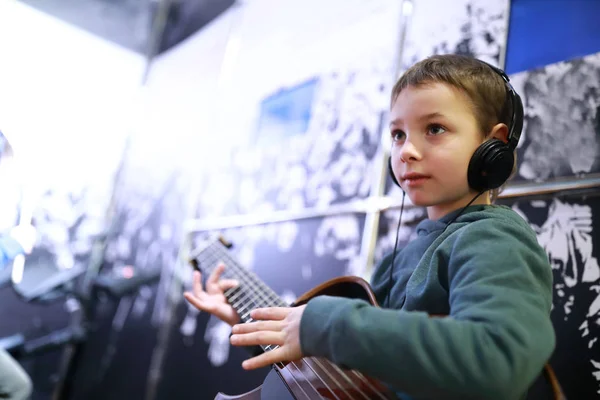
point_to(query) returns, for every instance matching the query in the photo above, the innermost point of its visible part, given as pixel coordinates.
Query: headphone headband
(516, 106)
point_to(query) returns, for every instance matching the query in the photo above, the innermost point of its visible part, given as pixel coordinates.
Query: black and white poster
(561, 133)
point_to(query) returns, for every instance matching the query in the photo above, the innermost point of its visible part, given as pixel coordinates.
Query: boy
(477, 263)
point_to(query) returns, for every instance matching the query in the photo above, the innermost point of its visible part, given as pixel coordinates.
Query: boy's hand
(273, 326)
(213, 300)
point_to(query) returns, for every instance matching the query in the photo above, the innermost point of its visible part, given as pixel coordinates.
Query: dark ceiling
(129, 22)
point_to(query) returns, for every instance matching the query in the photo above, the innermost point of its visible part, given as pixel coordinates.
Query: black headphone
(492, 162)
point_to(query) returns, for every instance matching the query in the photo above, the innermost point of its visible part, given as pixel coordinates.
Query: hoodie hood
(470, 214)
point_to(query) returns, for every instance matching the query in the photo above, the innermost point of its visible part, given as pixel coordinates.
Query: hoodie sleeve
(494, 343)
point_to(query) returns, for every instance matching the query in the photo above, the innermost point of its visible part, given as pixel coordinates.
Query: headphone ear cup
(490, 166)
(391, 170)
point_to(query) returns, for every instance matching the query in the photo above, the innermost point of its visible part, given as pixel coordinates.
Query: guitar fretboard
(251, 293)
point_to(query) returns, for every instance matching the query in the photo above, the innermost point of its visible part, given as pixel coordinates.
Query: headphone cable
(390, 278)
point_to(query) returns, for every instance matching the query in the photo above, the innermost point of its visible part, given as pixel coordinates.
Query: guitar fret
(250, 304)
(234, 297)
(247, 277)
(242, 308)
(245, 320)
(242, 299)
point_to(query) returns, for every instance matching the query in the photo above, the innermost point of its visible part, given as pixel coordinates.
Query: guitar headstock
(225, 242)
(210, 240)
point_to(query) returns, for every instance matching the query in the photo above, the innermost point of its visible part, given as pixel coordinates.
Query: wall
(562, 105)
(557, 71)
(66, 101)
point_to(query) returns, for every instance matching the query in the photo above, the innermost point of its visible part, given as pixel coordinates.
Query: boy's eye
(436, 129)
(397, 135)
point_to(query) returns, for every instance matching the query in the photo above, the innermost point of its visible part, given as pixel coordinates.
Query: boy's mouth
(413, 176)
(414, 179)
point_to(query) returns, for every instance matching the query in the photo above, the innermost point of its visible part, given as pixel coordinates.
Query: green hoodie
(487, 272)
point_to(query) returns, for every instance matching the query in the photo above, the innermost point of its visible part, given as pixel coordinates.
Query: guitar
(311, 378)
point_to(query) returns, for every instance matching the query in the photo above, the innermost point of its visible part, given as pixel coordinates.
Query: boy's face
(434, 134)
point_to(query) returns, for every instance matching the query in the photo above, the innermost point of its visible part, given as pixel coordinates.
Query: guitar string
(340, 372)
(295, 365)
(259, 290)
(298, 384)
(360, 376)
(368, 383)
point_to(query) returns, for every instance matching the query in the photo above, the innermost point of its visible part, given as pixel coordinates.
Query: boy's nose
(409, 152)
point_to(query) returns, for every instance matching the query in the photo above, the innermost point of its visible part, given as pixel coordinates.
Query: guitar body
(273, 388)
(314, 378)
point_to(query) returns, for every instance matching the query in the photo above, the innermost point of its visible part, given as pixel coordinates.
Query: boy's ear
(499, 131)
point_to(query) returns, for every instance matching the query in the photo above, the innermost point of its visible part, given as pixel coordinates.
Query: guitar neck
(251, 293)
